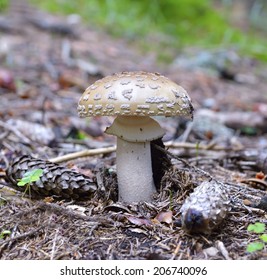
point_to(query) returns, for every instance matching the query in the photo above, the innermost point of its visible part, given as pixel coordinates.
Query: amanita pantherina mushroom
(133, 97)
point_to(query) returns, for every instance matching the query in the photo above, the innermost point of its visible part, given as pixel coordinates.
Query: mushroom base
(134, 171)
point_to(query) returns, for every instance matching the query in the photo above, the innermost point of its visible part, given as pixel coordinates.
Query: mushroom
(133, 97)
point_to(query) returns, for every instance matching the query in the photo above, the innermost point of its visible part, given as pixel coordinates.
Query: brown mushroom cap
(135, 94)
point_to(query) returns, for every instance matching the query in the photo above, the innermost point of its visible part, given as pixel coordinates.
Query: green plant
(259, 229)
(3, 5)
(4, 233)
(2, 200)
(80, 135)
(28, 178)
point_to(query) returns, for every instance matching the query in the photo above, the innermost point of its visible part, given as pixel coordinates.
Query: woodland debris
(233, 119)
(7, 26)
(221, 247)
(52, 26)
(206, 127)
(87, 66)
(223, 63)
(255, 183)
(34, 131)
(67, 80)
(165, 217)
(261, 160)
(15, 131)
(211, 252)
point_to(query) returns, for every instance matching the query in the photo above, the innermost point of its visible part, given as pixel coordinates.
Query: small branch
(22, 236)
(85, 153)
(187, 145)
(54, 245)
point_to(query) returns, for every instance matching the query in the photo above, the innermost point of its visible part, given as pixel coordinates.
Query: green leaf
(30, 176)
(35, 173)
(249, 130)
(263, 237)
(257, 227)
(24, 181)
(255, 246)
(81, 135)
(4, 233)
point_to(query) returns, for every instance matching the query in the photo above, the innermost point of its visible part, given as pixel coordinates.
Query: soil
(46, 63)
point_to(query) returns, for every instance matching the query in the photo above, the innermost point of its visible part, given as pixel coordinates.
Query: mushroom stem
(134, 171)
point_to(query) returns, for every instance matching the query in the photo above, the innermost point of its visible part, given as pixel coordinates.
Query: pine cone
(206, 207)
(55, 180)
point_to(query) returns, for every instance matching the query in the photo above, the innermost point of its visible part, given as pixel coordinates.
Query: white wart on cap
(133, 97)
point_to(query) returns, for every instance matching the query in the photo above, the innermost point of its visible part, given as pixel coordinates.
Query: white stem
(134, 171)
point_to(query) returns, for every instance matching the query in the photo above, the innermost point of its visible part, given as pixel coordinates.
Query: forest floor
(45, 64)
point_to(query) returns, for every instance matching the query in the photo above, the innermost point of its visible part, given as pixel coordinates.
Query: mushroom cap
(135, 94)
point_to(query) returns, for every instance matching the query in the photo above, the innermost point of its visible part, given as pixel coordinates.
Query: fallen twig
(85, 153)
(21, 236)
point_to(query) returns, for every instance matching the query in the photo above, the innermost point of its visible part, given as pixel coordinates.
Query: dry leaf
(139, 221)
(247, 202)
(211, 251)
(48, 199)
(117, 208)
(78, 209)
(137, 231)
(165, 217)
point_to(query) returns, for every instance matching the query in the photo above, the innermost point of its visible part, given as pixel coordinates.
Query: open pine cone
(56, 180)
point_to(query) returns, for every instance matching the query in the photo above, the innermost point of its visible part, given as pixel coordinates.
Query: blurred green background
(176, 24)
